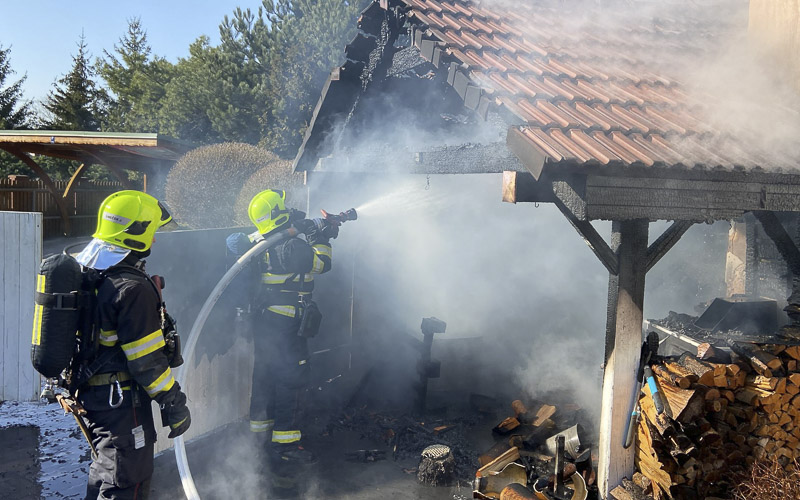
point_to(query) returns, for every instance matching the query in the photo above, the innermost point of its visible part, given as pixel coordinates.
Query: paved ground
(19, 464)
(229, 464)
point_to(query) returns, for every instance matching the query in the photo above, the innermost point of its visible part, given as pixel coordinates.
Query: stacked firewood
(723, 411)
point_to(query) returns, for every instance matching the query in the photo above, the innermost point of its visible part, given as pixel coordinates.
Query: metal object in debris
(365, 455)
(572, 441)
(748, 315)
(427, 367)
(575, 489)
(437, 466)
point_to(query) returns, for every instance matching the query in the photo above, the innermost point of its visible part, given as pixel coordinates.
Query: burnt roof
(578, 90)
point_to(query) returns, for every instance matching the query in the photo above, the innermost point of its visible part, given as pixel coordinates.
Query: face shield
(101, 255)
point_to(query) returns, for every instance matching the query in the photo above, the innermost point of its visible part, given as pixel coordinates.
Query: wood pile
(723, 411)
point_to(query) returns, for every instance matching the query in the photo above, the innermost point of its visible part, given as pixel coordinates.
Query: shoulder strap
(135, 270)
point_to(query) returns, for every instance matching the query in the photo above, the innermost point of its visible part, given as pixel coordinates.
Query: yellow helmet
(267, 210)
(129, 219)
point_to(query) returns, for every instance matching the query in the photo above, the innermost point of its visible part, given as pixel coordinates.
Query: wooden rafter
(73, 180)
(596, 242)
(59, 199)
(666, 241)
(784, 243)
(112, 167)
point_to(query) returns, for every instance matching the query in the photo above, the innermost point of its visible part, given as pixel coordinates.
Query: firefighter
(286, 275)
(135, 364)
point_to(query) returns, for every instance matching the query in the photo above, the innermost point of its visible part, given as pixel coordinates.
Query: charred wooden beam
(666, 241)
(784, 243)
(592, 238)
(700, 200)
(522, 187)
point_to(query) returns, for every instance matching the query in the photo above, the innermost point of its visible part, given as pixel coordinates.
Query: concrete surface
(19, 467)
(231, 464)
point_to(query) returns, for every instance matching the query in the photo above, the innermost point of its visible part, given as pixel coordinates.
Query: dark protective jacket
(130, 324)
(287, 273)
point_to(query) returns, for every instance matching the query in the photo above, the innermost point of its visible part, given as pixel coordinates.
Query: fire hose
(185, 472)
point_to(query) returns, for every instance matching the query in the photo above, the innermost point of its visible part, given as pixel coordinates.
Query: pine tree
(136, 80)
(75, 103)
(285, 52)
(14, 111)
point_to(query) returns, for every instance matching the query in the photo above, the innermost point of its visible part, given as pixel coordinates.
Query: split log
(620, 493)
(642, 482)
(683, 404)
(679, 370)
(506, 426)
(703, 371)
(661, 422)
(761, 382)
(521, 412)
(793, 352)
(763, 362)
(673, 378)
(707, 352)
(543, 414)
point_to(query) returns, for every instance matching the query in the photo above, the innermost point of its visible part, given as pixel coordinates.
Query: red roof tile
(586, 93)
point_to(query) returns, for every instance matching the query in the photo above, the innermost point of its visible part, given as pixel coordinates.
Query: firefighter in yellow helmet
(284, 297)
(133, 363)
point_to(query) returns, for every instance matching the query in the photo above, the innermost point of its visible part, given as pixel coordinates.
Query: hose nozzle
(341, 217)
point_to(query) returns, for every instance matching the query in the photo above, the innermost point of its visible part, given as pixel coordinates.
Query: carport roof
(131, 151)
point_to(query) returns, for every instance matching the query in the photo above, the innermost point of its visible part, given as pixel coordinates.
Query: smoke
(519, 277)
(523, 297)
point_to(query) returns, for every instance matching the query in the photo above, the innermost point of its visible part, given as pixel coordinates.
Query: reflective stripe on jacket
(288, 270)
(130, 322)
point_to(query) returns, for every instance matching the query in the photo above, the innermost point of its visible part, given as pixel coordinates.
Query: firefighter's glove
(305, 226)
(295, 215)
(330, 231)
(175, 415)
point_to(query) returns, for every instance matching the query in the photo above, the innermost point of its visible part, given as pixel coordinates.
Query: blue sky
(43, 35)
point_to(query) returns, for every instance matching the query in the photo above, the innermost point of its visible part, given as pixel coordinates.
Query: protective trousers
(280, 371)
(124, 439)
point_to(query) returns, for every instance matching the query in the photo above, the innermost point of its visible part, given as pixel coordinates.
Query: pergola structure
(593, 123)
(147, 153)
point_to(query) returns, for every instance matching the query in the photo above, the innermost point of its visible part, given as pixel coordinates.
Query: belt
(109, 378)
(285, 297)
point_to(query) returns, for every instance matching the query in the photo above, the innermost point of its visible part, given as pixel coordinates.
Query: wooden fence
(22, 194)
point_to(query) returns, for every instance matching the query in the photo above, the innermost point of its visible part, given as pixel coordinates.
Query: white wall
(20, 255)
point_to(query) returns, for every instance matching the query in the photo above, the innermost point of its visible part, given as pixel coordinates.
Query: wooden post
(623, 344)
(735, 259)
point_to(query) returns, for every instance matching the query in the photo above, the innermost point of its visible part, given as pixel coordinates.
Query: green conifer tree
(75, 103)
(15, 112)
(136, 82)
